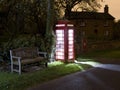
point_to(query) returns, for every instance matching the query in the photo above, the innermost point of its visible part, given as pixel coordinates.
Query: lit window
(60, 25)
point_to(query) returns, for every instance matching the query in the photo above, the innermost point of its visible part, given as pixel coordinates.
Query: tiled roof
(89, 15)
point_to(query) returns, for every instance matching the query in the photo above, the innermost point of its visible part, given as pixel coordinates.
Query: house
(92, 25)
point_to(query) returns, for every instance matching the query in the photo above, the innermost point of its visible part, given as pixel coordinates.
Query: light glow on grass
(55, 63)
(20, 82)
(73, 65)
(104, 66)
(84, 59)
(88, 62)
(55, 69)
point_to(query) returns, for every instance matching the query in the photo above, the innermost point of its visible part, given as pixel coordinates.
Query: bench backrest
(25, 52)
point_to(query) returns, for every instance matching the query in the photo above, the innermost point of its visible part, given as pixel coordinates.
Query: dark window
(106, 33)
(82, 23)
(96, 31)
(83, 33)
(106, 23)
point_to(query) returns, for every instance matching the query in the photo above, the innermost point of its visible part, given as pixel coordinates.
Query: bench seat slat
(26, 55)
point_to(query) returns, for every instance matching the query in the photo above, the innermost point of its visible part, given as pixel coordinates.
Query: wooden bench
(26, 56)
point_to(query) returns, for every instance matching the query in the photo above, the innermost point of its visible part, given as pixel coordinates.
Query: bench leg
(46, 64)
(11, 66)
(19, 67)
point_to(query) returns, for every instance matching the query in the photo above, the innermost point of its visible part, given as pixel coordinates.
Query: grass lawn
(106, 56)
(13, 81)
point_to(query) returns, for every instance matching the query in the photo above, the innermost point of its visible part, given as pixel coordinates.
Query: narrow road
(93, 79)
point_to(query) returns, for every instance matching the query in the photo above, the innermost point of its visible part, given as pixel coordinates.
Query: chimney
(106, 9)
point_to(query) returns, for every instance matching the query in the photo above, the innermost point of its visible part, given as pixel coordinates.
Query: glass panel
(70, 49)
(70, 31)
(70, 44)
(71, 57)
(59, 57)
(59, 39)
(70, 38)
(70, 34)
(60, 44)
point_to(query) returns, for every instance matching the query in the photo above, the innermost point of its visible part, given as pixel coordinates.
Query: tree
(36, 12)
(22, 13)
(68, 5)
(35, 17)
(49, 36)
(32, 13)
(22, 16)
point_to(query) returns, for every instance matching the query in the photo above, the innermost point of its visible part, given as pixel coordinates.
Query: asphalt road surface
(93, 79)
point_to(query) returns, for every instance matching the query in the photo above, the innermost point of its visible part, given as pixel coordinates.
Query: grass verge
(13, 81)
(111, 53)
(105, 56)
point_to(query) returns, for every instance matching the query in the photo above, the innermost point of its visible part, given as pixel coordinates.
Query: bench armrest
(16, 57)
(43, 53)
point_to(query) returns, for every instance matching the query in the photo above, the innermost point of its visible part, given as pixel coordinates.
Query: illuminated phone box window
(64, 41)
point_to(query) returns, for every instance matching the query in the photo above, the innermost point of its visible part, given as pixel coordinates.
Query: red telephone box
(64, 41)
